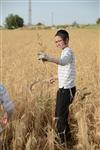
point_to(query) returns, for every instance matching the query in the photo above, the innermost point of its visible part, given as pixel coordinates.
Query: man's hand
(43, 56)
(52, 80)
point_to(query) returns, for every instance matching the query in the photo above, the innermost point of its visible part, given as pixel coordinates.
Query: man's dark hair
(63, 34)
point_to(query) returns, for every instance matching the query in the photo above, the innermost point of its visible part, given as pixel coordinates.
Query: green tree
(40, 24)
(13, 21)
(98, 21)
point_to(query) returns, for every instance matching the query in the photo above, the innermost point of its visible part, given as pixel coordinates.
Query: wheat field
(32, 124)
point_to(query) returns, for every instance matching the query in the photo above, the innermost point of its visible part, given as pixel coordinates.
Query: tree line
(15, 21)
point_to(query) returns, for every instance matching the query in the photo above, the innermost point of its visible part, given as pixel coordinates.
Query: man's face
(59, 42)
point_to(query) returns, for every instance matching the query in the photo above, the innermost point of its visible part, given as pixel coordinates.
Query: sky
(51, 12)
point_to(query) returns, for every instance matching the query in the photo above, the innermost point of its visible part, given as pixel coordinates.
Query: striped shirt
(66, 69)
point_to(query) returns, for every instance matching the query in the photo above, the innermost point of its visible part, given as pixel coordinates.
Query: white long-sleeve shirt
(5, 100)
(66, 69)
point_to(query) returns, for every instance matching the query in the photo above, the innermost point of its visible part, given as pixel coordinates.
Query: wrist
(50, 59)
(54, 60)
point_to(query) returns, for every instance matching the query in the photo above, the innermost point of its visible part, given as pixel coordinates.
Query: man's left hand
(43, 56)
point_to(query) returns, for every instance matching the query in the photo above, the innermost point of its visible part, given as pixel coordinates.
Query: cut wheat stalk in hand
(47, 81)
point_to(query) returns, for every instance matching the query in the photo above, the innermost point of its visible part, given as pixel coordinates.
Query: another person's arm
(6, 101)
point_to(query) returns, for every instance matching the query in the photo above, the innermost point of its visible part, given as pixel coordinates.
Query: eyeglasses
(58, 41)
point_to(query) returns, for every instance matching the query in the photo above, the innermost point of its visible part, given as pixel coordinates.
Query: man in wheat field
(8, 107)
(66, 82)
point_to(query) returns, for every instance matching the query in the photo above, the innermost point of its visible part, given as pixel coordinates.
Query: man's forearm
(54, 60)
(45, 57)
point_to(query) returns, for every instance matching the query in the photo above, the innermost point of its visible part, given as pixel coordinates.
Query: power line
(52, 18)
(30, 13)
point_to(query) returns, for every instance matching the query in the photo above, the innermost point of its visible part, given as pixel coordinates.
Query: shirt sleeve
(67, 58)
(5, 100)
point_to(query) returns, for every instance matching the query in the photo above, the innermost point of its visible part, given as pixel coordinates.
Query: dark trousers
(64, 99)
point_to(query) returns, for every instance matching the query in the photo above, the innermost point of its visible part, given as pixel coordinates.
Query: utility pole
(52, 18)
(30, 14)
